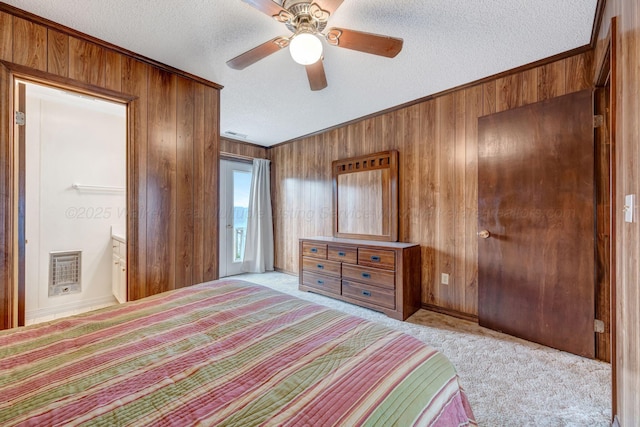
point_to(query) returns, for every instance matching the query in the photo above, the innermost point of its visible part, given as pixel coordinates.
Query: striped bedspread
(229, 353)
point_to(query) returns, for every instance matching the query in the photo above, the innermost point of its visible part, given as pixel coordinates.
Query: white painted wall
(72, 139)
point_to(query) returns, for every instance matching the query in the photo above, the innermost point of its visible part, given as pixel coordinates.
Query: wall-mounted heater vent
(236, 134)
(64, 272)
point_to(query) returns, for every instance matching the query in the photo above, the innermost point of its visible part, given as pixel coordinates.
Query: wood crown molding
(75, 33)
(597, 21)
(595, 30)
(483, 80)
(235, 141)
(600, 7)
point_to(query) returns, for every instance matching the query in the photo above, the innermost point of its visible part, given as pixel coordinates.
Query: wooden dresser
(383, 276)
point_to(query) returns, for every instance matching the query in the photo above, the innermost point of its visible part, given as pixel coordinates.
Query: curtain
(258, 251)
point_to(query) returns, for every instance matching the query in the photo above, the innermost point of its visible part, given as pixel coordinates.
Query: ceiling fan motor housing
(307, 16)
(306, 19)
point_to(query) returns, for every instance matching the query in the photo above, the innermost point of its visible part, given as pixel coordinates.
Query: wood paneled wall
(437, 141)
(242, 149)
(173, 151)
(627, 153)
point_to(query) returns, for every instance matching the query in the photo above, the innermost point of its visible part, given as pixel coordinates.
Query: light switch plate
(629, 207)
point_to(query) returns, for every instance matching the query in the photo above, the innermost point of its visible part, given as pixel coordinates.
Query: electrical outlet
(444, 278)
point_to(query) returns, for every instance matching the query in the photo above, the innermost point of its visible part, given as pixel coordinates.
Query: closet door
(536, 212)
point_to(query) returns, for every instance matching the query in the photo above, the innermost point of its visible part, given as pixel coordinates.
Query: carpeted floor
(509, 382)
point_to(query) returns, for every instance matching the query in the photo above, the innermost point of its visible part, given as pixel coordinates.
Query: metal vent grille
(64, 272)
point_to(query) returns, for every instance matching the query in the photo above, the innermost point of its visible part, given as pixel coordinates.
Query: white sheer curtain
(258, 252)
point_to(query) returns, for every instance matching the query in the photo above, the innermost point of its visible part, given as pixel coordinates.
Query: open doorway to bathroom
(73, 203)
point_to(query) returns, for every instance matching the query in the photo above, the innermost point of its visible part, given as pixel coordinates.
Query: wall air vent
(64, 272)
(236, 134)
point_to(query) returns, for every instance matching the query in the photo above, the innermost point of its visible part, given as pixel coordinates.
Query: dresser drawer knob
(320, 282)
(314, 250)
(366, 293)
(320, 266)
(342, 254)
(366, 275)
(375, 258)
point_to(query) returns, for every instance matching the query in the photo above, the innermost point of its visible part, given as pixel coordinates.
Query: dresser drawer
(321, 266)
(383, 297)
(337, 253)
(324, 283)
(377, 258)
(374, 276)
(314, 250)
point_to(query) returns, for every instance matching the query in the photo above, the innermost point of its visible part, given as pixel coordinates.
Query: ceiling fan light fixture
(305, 48)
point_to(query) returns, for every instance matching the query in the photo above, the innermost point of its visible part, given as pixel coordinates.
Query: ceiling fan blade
(269, 7)
(365, 42)
(316, 75)
(331, 5)
(254, 55)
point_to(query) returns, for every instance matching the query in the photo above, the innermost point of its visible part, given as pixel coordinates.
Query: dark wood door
(536, 199)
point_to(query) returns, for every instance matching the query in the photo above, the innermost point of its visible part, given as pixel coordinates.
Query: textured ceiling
(446, 43)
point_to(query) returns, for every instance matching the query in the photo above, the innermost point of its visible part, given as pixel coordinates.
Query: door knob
(484, 234)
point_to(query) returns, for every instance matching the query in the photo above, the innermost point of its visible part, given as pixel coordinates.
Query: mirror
(365, 197)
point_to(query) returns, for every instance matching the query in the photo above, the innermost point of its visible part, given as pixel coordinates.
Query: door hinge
(598, 121)
(20, 118)
(598, 326)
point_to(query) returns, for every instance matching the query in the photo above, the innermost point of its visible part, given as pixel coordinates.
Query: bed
(227, 352)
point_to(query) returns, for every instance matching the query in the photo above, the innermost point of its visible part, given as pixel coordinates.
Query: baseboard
(63, 308)
(290, 273)
(452, 313)
(616, 422)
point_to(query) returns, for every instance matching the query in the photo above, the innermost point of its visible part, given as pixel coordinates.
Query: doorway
(606, 190)
(235, 188)
(72, 199)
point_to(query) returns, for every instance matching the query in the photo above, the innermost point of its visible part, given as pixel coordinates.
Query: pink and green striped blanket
(229, 353)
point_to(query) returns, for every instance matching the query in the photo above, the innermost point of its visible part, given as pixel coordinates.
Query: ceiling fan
(307, 19)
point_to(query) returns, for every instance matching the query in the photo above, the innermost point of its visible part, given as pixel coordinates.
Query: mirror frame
(383, 160)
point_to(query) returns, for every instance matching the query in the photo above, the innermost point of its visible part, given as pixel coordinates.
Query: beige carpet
(509, 382)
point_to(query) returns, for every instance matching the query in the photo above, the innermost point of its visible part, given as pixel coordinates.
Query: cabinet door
(122, 280)
(115, 276)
